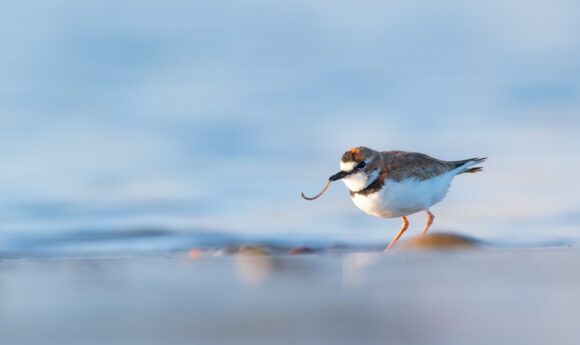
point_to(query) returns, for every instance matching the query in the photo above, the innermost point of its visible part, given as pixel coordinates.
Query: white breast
(397, 199)
(359, 181)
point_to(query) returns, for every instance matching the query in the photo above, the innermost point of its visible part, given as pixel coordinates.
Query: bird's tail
(467, 165)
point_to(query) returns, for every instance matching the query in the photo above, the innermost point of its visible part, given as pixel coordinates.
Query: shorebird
(392, 184)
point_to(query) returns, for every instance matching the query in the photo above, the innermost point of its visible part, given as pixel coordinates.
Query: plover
(392, 184)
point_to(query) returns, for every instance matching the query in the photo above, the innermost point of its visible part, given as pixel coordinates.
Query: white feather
(359, 181)
(348, 166)
(397, 199)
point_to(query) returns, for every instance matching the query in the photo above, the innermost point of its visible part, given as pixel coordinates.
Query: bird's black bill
(335, 177)
(341, 174)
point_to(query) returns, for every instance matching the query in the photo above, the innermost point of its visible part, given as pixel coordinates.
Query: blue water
(161, 124)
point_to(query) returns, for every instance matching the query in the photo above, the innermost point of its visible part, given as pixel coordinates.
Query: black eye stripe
(361, 165)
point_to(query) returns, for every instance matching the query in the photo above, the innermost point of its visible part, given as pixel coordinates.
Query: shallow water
(467, 297)
(206, 120)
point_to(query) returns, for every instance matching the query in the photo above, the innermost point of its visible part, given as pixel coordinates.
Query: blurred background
(133, 125)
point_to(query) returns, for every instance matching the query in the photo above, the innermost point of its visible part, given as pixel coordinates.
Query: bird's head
(359, 167)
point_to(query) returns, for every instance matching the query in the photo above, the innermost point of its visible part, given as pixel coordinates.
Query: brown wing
(401, 165)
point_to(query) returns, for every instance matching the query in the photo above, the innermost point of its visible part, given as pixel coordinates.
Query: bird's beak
(339, 175)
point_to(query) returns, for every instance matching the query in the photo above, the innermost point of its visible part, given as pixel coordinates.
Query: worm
(319, 194)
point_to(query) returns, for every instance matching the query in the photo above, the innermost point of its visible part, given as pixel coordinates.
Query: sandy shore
(527, 296)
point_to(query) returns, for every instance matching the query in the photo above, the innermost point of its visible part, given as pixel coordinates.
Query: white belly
(397, 199)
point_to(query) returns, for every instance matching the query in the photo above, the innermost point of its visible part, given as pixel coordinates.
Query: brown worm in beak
(319, 194)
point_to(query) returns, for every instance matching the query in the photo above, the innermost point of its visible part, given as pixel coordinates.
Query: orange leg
(399, 234)
(430, 218)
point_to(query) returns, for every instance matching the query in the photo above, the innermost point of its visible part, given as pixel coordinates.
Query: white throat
(359, 181)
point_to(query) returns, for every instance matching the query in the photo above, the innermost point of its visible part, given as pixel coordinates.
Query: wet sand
(487, 296)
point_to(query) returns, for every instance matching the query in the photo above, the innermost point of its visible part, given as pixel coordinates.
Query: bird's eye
(361, 165)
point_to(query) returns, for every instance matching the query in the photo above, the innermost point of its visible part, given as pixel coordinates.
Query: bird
(392, 184)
